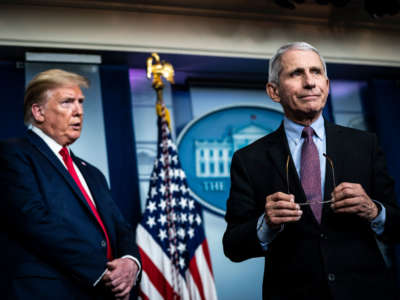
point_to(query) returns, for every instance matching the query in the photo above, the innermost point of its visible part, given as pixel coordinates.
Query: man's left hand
(120, 276)
(352, 199)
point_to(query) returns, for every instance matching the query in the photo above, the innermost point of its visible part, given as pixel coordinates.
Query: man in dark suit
(66, 237)
(312, 197)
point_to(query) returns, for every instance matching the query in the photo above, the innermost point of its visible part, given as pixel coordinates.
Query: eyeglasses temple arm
(332, 168)
(287, 173)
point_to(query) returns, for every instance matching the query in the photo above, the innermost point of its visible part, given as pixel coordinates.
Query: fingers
(280, 208)
(350, 198)
(119, 277)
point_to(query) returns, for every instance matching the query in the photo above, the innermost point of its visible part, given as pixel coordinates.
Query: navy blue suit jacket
(55, 247)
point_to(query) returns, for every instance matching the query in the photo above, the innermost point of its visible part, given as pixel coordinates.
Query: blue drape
(382, 109)
(120, 140)
(12, 83)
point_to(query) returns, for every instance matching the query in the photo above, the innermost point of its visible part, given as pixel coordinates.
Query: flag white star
(175, 159)
(173, 202)
(182, 174)
(171, 233)
(191, 232)
(176, 173)
(173, 188)
(181, 262)
(153, 192)
(191, 219)
(162, 205)
(198, 219)
(174, 217)
(162, 189)
(162, 219)
(183, 203)
(191, 204)
(183, 189)
(162, 234)
(181, 247)
(161, 174)
(171, 145)
(151, 206)
(171, 249)
(151, 222)
(181, 233)
(183, 217)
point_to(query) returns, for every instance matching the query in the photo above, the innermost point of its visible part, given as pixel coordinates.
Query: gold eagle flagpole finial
(160, 68)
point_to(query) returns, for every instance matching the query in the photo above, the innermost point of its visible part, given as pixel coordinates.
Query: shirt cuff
(265, 234)
(125, 256)
(137, 263)
(378, 224)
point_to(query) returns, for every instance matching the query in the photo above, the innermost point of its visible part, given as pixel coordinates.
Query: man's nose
(309, 81)
(78, 108)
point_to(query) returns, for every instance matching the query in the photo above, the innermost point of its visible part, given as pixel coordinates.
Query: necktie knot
(66, 157)
(64, 152)
(308, 132)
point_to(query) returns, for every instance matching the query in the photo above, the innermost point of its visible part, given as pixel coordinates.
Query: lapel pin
(83, 163)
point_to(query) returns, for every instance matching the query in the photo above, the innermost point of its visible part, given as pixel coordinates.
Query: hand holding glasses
(333, 178)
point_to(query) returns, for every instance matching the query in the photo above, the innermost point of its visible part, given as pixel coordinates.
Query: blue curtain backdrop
(12, 83)
(382, 110)
(117, 110)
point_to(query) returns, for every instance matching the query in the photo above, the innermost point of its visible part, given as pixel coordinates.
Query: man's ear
(37, 112)
(273, 92)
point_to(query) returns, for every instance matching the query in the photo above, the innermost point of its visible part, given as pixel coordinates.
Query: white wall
(176, 32)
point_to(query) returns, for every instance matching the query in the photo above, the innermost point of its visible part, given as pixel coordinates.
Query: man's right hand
(280, 208)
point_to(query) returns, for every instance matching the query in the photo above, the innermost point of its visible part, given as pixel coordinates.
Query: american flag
(174, 251)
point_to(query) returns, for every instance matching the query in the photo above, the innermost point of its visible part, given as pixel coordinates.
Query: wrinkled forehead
(300, 59)
(63, 92)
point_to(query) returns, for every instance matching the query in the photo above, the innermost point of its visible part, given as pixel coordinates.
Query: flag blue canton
(172, 216)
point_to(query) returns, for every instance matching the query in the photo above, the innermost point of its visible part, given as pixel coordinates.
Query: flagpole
(160, 69)
(170, 236)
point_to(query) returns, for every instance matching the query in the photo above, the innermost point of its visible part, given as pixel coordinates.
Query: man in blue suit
(66, 237)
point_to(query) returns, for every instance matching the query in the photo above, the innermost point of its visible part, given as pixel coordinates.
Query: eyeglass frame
(333, 176)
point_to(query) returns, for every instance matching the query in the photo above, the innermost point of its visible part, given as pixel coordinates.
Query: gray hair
(275, 67)
(38, 87)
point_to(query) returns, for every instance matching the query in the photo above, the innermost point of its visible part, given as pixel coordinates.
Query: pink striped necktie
(310, 173)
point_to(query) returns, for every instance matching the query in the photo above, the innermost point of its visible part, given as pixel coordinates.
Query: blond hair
(38, 87)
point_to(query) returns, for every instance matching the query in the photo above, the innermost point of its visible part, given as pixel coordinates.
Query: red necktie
(310, 173)
(70, 166)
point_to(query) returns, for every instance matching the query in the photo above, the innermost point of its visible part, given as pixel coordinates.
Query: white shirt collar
(53, 145)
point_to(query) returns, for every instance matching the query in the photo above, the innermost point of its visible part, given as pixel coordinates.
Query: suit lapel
(39, 144)
(97, 195)
(333, 151)
(278, 150)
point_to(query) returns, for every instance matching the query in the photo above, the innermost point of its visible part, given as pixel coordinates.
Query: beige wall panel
(177, 33)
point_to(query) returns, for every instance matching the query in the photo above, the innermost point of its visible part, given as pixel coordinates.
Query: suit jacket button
(331, 277)
(103, 243)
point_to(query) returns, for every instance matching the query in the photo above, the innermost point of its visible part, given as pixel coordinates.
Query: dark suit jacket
(55, 247)
(308, 260)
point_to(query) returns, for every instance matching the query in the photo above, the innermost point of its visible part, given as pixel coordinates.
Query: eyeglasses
(333, 178)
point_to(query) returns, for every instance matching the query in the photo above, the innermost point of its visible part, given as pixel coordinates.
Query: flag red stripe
(206, 252)
(196, 276)
(156, 277)
(143, 296)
